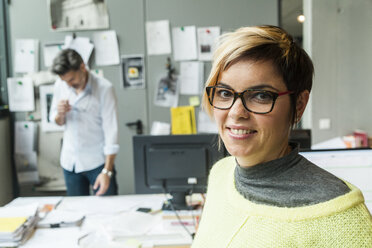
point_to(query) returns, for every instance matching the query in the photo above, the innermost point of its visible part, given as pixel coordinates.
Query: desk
(98, 212)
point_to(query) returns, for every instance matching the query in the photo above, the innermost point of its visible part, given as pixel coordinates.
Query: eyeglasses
(254, 100)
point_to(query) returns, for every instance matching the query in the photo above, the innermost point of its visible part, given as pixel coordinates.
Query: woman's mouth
(242, 131)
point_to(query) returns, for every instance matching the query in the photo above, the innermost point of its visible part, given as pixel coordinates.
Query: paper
(133, 71)
(99, 205)
(25, 133)
(26, 57)
(106, 48)
(40, 201)
(194, 101)
(80, 45)
(43, 238)
(158, 37)
(184, 43)
(61, 218)
(183, 120)
(166, 92)
(207, 38)
(191, 77)
(160, 128)
(46, 97)
(21, 94)
(42, 77)
(50, 51)
(128, 224)
(26, 210)
(10, 224)
(205, 124)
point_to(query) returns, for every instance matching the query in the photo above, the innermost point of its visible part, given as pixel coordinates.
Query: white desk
(98, 212)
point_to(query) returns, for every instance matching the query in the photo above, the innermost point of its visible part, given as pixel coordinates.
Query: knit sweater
(230, 220)
(289, 181)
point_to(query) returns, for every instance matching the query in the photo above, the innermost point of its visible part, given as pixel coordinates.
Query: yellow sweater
(230, 220)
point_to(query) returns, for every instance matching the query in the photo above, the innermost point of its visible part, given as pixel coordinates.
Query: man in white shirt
(86, 104)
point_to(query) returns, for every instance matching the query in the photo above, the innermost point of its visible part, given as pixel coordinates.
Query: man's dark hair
(67, 60)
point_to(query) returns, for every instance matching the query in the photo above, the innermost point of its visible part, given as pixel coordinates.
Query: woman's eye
(262, 97)
(224, 93)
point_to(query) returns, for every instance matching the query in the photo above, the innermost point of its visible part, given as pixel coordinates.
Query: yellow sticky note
(194, 101)
(133, 72)
(10, 224)
(183, 120)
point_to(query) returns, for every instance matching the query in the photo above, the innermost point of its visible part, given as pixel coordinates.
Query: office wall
(127, 18)
(340, 44)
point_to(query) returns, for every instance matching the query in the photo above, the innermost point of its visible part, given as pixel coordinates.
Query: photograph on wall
(70, 15)
(166, 93)
(133, 71)
(46, 97)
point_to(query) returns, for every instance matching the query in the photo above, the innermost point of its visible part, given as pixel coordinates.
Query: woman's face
(254, 138)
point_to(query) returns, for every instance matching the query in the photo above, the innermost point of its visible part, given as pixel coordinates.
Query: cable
(175, 211)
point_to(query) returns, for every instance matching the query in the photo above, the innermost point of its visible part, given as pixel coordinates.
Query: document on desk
(99, 205)
(60, 218)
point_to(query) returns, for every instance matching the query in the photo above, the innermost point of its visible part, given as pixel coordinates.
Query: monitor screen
(302, 137)
(352, 165)
(175, 164)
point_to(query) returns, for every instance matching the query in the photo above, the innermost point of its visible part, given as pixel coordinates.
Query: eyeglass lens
(259, 101)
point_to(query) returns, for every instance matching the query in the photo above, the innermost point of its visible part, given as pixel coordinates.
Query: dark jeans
(78, 184)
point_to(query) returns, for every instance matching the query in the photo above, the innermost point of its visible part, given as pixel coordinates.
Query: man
(86, 105)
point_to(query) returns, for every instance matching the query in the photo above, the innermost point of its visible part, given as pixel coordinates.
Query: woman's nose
(238, 110)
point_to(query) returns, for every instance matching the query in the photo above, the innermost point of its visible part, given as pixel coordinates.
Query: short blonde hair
(263, 43)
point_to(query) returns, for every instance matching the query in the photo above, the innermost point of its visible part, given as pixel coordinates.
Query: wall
(341, 32)
(127, 18)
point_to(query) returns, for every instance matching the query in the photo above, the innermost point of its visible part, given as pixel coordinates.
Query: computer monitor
(174, 164)
(302, 137)
(352, 165)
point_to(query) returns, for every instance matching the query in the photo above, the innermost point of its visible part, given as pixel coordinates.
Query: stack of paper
(61, 218)
(186, 218)
(17, 224)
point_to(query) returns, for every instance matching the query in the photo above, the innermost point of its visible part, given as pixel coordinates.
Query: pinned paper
(184, 43)
(183, 120)
(194, 101)
(191, 77)
(207, 38)
(160, 128)
(26, 55)
(21, 94)
(158, 37)
(106, 48)
(206, 124)
(50, 51)
(81, 45)
(166, 92)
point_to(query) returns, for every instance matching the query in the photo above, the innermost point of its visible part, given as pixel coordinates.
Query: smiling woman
(266, 194)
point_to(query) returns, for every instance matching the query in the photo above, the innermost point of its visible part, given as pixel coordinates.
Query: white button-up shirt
(91, 128)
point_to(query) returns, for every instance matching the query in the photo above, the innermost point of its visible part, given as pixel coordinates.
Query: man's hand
(103, 182)
(62, 107)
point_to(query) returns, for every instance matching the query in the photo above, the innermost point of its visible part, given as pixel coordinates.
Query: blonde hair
(263, 43)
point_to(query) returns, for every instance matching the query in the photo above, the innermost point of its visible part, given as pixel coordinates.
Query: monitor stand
(178, 201)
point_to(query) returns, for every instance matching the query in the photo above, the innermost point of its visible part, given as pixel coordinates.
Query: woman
(266, 194)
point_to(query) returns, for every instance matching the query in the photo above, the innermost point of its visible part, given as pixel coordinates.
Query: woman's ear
(302, 100)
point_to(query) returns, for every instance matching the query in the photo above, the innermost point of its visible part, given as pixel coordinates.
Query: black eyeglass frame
(240, 95)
